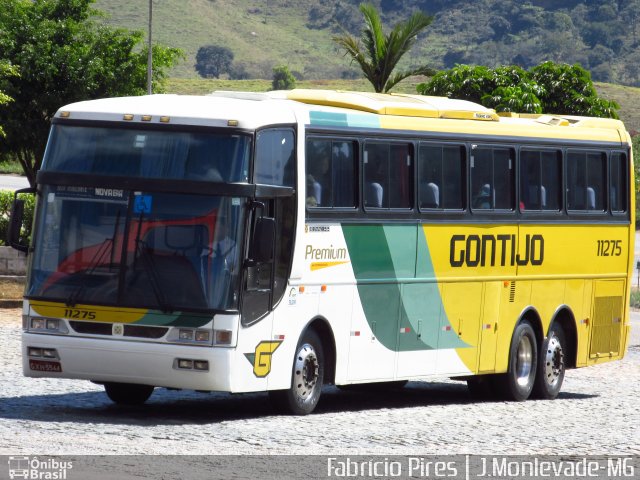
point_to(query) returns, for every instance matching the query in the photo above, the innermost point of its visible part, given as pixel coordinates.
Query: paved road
(597, 413)
(13, 182)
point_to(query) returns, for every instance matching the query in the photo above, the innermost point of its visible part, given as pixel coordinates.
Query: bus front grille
(138, 331)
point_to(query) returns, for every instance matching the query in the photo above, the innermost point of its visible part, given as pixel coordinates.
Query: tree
(61, 56)
(569, 89)
(548, 87)
(6, 70)
(283, 79)
(379, 54)
(213, 60)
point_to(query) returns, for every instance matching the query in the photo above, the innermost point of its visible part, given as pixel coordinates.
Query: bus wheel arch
(321, 327)
(518, 382)
(310, 369)
(564, 318)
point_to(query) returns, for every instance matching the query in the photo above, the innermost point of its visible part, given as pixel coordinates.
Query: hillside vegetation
(601, 35)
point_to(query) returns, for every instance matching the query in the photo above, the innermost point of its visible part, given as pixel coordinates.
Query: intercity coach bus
(244, 242)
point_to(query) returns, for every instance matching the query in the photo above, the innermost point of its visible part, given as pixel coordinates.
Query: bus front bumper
(143, 363)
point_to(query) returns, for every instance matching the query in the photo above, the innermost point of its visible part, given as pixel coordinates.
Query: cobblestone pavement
(596, 413)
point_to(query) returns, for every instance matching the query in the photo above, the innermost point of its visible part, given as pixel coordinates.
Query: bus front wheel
(551, 365)
(518, 382)
(307, 378)
(128, 393)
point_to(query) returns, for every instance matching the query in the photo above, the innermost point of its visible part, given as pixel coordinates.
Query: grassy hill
(261, 33)
(601, 36)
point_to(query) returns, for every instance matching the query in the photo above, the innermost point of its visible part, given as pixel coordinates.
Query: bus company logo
(492, 250)
(36, 469)
(261, 358)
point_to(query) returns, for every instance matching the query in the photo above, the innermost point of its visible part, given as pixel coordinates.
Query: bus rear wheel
(551, 366)
(307, 378)
(128, 393)
(518, 382)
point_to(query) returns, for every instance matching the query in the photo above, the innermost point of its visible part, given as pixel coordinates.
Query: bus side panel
(574, 298)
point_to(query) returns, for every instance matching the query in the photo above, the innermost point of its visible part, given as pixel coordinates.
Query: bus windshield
(147, 153)
(171, 252)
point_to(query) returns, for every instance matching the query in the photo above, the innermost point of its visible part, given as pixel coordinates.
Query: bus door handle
(373, 331)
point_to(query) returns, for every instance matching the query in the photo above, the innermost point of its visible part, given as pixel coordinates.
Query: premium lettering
(330, 253)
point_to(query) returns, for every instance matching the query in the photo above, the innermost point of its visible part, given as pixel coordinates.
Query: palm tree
(381, 53)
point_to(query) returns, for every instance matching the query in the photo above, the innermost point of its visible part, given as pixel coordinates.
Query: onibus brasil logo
(37, 469)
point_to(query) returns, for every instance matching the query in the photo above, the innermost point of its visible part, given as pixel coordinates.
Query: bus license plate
(45, 366)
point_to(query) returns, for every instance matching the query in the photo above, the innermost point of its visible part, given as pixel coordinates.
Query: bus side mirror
(263, 240)
(16, 221)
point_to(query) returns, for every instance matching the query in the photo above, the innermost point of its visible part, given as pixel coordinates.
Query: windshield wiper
(150, 268)
(96, 261)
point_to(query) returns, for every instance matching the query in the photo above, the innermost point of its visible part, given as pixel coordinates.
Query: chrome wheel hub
(524, 361)
(554, 361)
(305, 373)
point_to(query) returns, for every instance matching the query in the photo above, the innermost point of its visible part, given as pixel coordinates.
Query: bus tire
(128, 393)
(517, 383)
(306, 379)
(551, 366)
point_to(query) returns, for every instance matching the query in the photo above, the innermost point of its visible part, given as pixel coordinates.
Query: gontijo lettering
(489, 250)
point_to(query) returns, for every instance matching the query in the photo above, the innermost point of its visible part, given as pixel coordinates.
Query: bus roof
(208, 110)
(331, 108)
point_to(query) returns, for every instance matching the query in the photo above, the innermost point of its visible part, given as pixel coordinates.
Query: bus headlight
(38, 323)
(185, 335)
(47, 325)
(202, 335)
(190, 335)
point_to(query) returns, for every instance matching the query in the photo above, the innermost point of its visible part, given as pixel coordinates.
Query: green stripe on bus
(404, 316)
(332, 119)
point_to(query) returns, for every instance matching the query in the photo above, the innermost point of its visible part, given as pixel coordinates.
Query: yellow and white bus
(244, 242)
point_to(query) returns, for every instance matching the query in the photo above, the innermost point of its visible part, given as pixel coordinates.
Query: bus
(278, 242)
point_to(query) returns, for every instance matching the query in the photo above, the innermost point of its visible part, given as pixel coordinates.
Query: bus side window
(275, 158)
(388, 175)
(540, 180)
(586, 174)
(440, 174)
(492, 178)
(618, 182)
(330, 173)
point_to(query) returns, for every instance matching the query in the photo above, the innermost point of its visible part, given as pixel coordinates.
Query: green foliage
(6, 70)
(62, 56)
(548, 87)
(213, 61)
(568, 89)
(379, 54)
(283, 79)
(6, 202)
